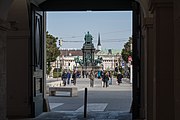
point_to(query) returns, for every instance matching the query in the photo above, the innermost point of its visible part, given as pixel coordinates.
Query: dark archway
(82, 5)
(113, 5)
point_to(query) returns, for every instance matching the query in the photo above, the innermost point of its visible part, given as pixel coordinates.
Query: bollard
(85, 103)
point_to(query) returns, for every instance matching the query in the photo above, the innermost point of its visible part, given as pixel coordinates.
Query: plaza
(113, 102)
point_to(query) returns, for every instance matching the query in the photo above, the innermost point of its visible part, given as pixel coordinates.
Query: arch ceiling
(81, 5)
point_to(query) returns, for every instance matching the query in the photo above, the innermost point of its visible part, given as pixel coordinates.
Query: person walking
(119, 78)
(64, 77)
(102, 77)
(106, 79)
(83, 73)
(68, 77)
(86, 74)
(74, 76)
(91, 77)
(99, 74)
(110, 76)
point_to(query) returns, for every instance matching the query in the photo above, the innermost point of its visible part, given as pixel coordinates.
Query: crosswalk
(54, 105)
(99, 99)
(93, 107)
(90, 107)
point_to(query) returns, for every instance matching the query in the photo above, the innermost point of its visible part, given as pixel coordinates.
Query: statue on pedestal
(88, 38)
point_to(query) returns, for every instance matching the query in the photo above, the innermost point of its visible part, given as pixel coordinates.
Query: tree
(52, 51)
(126, 51)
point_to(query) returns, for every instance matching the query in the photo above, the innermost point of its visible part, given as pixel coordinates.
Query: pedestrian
(86, 74)
(119, 78)
(64, 77)
(99, 74)
(106, 79)
(83, 73)
(110, 76)
(91, 77)
(68, 77)
(74, 76)
(102, 77)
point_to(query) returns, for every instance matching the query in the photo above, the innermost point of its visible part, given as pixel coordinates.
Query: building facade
(67, 62)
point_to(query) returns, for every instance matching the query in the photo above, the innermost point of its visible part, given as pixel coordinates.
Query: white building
(110, 57)
(66, 61)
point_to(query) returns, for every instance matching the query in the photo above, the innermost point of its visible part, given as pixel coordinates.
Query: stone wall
(3, 30)
(176, 59)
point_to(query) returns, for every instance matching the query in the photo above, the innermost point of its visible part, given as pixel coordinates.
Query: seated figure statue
(88, 38)
(98, 60)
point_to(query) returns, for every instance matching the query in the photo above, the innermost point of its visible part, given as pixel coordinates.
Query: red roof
(72, 52)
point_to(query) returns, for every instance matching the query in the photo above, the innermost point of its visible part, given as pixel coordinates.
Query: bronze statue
(98, 60)
(88, 38)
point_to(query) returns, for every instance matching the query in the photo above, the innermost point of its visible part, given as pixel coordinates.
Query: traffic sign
(130, 58)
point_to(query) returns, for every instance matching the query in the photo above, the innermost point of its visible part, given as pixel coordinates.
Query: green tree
(52, 51)
(126, 51)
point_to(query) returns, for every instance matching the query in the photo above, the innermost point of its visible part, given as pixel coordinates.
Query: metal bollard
(85, 103)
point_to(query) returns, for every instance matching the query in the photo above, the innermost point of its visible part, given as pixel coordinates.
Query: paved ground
(110, 115)
(113, 98)
(111, 103)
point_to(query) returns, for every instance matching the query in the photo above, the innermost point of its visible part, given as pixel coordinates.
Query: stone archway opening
(80, 6)
(114, 94)
(116, 6)
(35, 87)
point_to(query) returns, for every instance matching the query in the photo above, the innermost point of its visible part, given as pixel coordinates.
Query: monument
(88, 50)
(89, 62)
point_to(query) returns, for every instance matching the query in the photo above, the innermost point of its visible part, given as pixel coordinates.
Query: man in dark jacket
(74, 76)
(68, 77)
(64, 77)
(119, 78)
(105, 79)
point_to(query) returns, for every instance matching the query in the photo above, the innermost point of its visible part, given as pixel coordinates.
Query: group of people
(106, 77)
(66, 77)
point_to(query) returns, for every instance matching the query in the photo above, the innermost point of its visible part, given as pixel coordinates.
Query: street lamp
(57, 73)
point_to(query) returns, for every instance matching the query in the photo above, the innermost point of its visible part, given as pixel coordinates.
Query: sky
(114, 27)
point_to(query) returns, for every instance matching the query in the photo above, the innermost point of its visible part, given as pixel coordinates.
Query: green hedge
(56, 74)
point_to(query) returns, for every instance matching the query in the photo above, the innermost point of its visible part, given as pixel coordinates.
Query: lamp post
(57, 69)
(60, 44)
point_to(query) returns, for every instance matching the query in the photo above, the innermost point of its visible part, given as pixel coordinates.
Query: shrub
(56, 74)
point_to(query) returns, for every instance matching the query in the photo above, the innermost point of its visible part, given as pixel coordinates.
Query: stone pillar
(4, 27)
(176, 58)
(164, 60)
(3, 30)
(143, 69)
(19, 97)
(150, 65)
